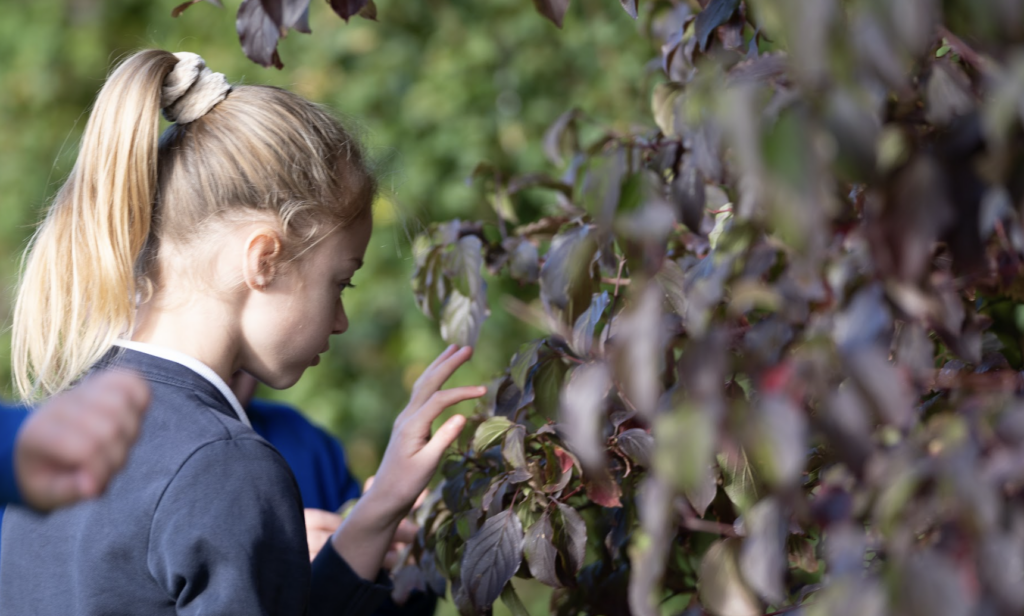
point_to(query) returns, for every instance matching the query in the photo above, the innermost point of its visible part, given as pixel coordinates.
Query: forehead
(345, 247)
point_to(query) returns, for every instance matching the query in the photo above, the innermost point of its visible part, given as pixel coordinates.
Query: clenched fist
(76, 441)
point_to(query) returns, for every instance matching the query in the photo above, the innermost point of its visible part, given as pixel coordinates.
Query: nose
(340, 319)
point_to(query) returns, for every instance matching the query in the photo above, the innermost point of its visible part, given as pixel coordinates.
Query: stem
(709, 526)
(616, 282)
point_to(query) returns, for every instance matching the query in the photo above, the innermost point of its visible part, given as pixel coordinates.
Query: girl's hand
(413, 455)
(411, 458)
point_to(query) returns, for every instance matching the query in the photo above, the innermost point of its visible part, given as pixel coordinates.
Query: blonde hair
(260, 150)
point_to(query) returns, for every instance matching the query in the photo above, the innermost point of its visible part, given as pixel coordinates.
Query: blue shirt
(10, 422)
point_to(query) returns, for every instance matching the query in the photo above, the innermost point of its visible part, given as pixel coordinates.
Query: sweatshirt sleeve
(228, 535)
(10, 423)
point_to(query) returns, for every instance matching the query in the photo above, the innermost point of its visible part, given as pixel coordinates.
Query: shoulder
(285, 426)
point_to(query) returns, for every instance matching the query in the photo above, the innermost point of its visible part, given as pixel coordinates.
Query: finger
(322, 520)
(442, 439)
(406, 532)
(432, 380)
(419, 384)
(57, 490)
(422, 497)
(315, 541)
(440, 401)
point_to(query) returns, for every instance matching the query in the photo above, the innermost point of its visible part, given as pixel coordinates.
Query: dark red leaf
(347, 8)
(178, 10)
(552, 9)
(603, 490)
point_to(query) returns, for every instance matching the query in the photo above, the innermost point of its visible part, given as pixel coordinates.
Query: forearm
(365, 536)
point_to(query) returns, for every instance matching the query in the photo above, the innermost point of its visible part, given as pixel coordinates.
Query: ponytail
(78, 286)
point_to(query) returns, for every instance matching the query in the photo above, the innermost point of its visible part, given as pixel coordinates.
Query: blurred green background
(434, 87)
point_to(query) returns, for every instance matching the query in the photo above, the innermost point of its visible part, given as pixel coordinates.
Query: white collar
(192, 364)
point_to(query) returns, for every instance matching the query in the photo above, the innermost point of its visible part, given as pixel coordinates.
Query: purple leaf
(347, 8)
(540, 552)
(491, 558)
(258, 34)
(552, 9)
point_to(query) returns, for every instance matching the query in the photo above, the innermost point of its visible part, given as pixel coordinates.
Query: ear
(262, 258)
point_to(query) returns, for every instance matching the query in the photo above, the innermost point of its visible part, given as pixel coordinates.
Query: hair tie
(191, 89)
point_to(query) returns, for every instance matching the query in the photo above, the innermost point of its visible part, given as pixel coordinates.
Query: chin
(283, 379)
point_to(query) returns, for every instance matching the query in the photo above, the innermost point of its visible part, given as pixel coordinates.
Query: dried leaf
(722, 590)
(491, 558)
(602, 489)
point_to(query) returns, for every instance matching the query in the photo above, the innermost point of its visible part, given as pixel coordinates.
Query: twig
(617, 281)
(709, 526)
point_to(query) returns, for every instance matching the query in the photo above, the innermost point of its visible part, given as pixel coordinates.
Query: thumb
(443, 438)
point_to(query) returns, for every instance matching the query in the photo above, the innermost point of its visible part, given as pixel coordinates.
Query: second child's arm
(411, 458)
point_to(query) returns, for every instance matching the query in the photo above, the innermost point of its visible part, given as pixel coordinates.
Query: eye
(346, 285)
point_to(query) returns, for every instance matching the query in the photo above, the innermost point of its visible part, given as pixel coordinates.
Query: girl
(223, 247)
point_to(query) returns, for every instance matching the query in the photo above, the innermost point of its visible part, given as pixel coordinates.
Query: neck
(201, 328)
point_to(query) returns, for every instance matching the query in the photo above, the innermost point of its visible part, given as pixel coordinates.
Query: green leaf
(738, 480)
(512, 601)
(514, 450)
(523, 362)
(684, 446)
(491, 558)
(664, 102)
(489, 432)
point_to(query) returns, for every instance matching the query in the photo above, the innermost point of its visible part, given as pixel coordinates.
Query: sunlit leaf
(523, 362)
(583, 412)
(722, 590)
(489, 432)
(762, 557)
(738, 480)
